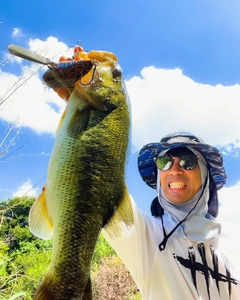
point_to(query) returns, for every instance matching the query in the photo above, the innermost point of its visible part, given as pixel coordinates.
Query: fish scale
(86, 180)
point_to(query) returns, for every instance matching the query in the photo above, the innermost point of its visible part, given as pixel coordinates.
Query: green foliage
(103, 249)
(21, 294)
(14, 222)
(24, 258)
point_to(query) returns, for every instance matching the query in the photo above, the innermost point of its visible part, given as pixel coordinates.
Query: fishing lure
(64, 74)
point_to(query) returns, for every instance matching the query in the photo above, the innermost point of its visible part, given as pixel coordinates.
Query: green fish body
(86, 181)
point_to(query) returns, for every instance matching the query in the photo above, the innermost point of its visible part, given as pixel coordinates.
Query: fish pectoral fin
(79, 121)
(39, 221)
(122, 221)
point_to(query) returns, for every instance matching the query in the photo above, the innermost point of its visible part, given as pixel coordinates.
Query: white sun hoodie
(184, 270)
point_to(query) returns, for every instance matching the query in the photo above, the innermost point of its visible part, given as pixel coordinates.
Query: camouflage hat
(213, 157)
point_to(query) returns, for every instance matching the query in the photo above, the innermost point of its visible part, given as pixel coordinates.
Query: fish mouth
(96, 86)
(93, 77)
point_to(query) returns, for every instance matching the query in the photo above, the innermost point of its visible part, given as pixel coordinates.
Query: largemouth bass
(86, 176)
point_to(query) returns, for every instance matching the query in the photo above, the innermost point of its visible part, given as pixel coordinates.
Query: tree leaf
(19, 295)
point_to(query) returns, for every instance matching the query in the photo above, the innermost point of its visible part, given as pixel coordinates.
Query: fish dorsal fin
(39, 221)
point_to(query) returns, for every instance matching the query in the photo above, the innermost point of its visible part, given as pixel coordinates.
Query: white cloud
(229, 214)
(26, 188)
(51, 48)
(32, 103)
(164, 101)
(233, 149)
(229, 198)
(17, 32)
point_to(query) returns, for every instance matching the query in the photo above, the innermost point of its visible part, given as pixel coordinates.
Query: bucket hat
(212, 156)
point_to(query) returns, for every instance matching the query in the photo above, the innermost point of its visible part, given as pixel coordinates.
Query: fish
(86, 183)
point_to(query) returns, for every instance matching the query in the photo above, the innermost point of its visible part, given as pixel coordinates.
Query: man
(174, 253)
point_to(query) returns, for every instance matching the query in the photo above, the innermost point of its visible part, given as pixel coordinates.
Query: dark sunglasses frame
(186, 162)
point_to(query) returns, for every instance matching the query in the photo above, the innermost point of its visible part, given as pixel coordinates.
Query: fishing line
(14, 151)
(6, 95)
(16, 87)
(33, 186)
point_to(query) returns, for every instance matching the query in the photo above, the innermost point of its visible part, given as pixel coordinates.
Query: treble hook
(95, 64)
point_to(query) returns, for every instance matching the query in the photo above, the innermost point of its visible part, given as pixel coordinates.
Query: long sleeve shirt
(184, 270)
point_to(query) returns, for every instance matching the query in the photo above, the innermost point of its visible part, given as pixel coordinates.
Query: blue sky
(181, 61)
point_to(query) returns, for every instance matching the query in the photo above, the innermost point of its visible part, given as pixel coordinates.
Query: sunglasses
(187, 162)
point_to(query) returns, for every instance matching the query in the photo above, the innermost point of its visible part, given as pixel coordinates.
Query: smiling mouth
(177, 185)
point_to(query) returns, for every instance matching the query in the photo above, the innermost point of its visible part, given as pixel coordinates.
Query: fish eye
(116, 71)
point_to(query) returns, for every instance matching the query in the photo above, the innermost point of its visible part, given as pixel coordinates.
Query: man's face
(180, 185)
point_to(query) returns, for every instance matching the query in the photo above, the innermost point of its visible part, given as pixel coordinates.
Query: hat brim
(148, 170)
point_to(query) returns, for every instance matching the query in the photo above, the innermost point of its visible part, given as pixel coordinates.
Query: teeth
(177, 185)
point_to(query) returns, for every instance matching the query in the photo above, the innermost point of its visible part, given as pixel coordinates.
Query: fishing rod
(31, 56)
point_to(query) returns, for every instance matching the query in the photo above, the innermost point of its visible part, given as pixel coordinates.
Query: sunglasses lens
(188, 162)
(164, 163)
